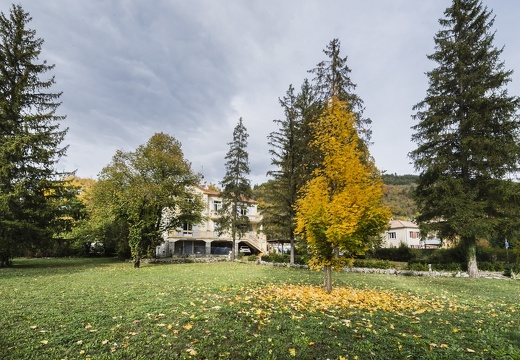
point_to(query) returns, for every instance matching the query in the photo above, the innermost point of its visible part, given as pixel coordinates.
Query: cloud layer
(130, 68)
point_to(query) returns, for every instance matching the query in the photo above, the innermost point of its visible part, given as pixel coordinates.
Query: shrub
(491, 266)
(417, 267)
(372, 264)
(447, 267)
(402, 253)
(276, 258)
(512, 270)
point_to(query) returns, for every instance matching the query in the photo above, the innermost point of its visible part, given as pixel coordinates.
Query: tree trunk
(292, 251)
(472, 257)
(5, 261)
(233, 247)
(327, 280)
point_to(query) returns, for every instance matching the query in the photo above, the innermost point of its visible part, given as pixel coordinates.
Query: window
(217, 205)
(414, 235)
(187, 229)
(392, 235)
(244, 211)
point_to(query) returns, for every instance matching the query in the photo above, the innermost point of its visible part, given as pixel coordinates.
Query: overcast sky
(191, 69)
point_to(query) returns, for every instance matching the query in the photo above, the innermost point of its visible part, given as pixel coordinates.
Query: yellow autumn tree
(340, 208)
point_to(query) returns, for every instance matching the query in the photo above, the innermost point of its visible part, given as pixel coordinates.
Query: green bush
(495, 254)
(372, 264)
(417, 267)
(491, 266)
(447, 267)
(276, 258)
(283, 258)
(510, 269)
(402, 253)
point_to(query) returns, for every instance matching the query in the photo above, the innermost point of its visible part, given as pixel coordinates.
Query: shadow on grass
(44, 263)
(50, 266)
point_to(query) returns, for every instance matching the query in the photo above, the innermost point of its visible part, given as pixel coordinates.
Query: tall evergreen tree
(332, 79)
(32, 192)
(293, 161)
(236, 188)
(467, 132)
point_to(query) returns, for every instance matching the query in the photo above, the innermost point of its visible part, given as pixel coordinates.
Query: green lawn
(104, 309)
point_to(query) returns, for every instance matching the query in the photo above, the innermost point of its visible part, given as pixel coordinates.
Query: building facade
(401, 232)
(202, 239)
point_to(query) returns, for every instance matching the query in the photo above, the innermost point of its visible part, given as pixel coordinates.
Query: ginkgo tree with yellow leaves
(340, 208)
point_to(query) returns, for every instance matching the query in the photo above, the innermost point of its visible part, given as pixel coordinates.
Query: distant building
(402, 232)
(202, 239)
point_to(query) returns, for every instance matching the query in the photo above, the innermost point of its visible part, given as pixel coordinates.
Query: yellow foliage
(341, 205)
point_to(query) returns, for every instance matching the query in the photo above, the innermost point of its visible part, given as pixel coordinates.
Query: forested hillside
(399, 195)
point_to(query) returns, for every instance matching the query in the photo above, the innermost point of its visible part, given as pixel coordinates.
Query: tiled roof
(399, 224)
(217, 193)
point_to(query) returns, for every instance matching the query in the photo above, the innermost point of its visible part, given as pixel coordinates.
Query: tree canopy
(236, 188)
(467, 132)
(341, 205)
(148, 192)
(34, 196)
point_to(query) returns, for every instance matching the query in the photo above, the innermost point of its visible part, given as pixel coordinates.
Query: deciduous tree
(467, 132)
(33, 194)
(341, 205)
(151, 190)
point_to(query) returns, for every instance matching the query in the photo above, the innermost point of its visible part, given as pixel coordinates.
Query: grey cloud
(129, 68)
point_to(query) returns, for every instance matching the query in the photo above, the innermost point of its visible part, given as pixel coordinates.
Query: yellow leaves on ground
(315, 299)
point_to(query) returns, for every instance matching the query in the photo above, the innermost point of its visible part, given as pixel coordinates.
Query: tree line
(324, 189)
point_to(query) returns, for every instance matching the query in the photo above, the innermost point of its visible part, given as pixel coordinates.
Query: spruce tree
(332, 79)
(293, 161)
(236, 188)
(467, 132)
(32, 192)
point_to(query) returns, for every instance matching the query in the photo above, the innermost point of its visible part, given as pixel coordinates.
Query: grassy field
(104, 309)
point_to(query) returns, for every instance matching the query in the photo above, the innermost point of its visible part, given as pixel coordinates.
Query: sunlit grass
(104, 309)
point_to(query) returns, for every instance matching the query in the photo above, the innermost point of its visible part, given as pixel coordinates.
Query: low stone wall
(212, 259)
(482, 274)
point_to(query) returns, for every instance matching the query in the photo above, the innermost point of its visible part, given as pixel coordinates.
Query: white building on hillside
(402, 232)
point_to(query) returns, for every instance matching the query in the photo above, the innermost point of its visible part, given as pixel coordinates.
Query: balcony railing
(253, 238)
(254, 218)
